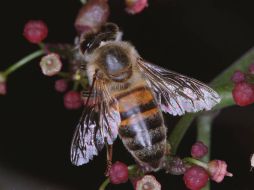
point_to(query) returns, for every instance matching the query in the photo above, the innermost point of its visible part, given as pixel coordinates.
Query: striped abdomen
(142, 127)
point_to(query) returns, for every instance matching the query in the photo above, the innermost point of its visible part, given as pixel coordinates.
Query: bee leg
(109, 158)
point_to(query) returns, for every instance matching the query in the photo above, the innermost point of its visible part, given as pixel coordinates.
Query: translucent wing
(176, 93)
(98, 125)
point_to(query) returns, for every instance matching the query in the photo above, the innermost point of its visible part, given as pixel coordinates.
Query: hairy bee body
(142, 127)
(129, 95)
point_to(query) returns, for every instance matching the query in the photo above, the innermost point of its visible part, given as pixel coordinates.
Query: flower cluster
(243, 91)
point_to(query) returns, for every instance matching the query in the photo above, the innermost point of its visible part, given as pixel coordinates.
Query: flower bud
(251, 68)
(50, 64)
(61, 85)
(35, 31)
(72, 100)
(118, 173)
(92, 16)
(195, 178)
(238, 76)
(148, 182)
(198, 150)
(218, 170)
(3, 88)
(243, 93)
(135, 6)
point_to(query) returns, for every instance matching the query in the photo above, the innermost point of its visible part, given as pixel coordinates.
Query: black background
(199, 38)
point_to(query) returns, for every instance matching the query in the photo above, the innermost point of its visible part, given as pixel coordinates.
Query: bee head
(91, 41)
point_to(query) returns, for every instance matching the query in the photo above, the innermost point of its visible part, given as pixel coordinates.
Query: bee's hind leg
(109, 149)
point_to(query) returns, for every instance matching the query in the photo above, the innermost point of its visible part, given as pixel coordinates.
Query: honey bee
(129, 96)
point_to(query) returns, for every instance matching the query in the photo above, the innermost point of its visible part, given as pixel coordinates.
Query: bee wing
(176, 93)
(98, 125)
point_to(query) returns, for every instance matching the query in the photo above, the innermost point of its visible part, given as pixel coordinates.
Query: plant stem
(104, 184)
(204, 125)
(22, 62)
(196, 162)
(223, 85)
(179, 131)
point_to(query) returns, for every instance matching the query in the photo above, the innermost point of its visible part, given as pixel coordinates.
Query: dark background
(199, 38)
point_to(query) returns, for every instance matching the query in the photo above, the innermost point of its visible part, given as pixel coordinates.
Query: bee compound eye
(87, 42)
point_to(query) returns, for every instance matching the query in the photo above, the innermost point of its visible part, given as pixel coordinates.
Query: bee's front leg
(109, 158)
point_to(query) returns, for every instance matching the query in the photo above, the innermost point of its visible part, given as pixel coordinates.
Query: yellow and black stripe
(142, 127)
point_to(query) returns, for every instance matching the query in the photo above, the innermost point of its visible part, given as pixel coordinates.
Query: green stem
(204, 125)
(196, 162)
(63, 74)
(104, 184)
(223, 86)
(179, 131)
(22, 62)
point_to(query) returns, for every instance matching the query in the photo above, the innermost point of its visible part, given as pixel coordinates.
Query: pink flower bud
(72, 100)
(148, 182)
(198, 150)
(61, 85)
(118, 173)
(92, 16)
(218, 170)
(135, 6)
(3, 88)
(50, 64)
(238, 76)
(35, 31)
(243, 93)
(251, 68)
(195, 178)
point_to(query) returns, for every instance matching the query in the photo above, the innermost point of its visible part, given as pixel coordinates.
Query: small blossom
(51, 64)
(92, 16)
(3, 88)
(251, 68)
(195, 178)
(148, 182)
(72, 100)
(35, 31)
(198, 150)
(118, 173)
(61, 85)
(135, 6)
(252, 161)
(243, 94)
(218, 170)
(238, 76)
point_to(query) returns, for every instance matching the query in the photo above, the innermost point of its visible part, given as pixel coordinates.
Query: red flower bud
(72, 100)
(135, 6)
(118, 173)
(238, 76)
(3, 88)
(61, 85)
(92, 16)
(35, 31)
(243, 94)
(198, 150)
(195, 178)
(251, 68)
(218, 170)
